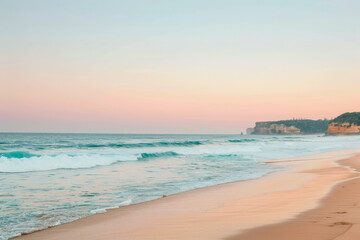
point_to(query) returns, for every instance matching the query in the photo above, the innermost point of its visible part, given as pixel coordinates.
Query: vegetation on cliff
(306, 126)
(349, 117)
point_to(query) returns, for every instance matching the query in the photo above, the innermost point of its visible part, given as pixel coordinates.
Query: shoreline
(219, 211)
(337, 217)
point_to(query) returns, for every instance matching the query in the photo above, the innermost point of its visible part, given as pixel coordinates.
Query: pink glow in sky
(119, 67)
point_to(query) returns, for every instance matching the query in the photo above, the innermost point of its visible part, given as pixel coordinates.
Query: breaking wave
(71, 145)
(142, 145)
(27, 162)
(242, 140)
(158, 154)
(62, 161)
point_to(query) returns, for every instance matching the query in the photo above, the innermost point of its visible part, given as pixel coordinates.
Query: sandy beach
(317, 198)
(337, 217)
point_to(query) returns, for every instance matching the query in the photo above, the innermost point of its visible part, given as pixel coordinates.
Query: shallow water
(49, 179)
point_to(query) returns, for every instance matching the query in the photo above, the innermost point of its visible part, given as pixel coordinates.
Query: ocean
(50, 179)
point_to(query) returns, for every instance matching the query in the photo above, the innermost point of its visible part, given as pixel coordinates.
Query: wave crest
(62, 161)
(143, 145)
(17, 154)
(242, 140)
(27, 162)
(158, 154)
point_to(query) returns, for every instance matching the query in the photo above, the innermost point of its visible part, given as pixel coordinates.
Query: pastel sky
(189, 66)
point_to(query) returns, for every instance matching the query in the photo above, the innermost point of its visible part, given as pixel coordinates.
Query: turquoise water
(49, 179)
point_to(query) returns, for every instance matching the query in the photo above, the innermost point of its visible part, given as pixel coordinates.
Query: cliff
(347, 123)
(250, 130)
(265, 128)
(343, 128)
(302, 126)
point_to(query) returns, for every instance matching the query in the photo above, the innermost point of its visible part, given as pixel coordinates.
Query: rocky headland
(345, 124)
(295, 126)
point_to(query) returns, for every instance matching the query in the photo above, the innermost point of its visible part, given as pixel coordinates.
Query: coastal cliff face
(294, 126)
(347, 123)
(265, 128)
(343, 128)
(250, 130)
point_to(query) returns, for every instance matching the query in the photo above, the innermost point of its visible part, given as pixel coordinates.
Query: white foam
(62, 161)
(100, 210)
(264, 149)
(103, 210)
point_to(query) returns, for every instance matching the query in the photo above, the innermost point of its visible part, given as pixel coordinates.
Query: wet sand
(338, 216)
(228, 211)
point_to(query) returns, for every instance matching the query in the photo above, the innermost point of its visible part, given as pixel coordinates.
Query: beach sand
(337, 217)
(318, 198)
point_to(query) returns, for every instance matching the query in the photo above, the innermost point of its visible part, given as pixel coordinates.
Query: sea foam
(61, 161)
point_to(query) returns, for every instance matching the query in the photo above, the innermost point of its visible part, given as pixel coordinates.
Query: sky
(190, 66)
